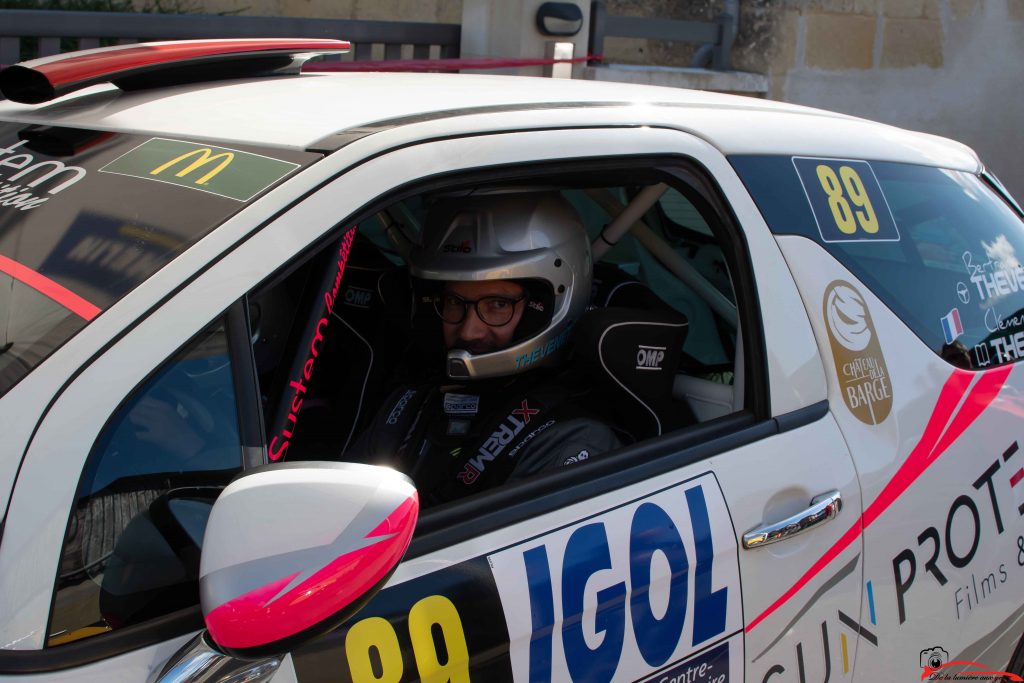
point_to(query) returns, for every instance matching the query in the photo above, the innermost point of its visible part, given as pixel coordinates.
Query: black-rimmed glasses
(492, 310)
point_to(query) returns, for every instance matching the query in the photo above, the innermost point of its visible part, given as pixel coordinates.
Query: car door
(933, 418)
(630, 567)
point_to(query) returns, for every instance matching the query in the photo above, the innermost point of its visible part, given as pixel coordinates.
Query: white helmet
(534, 238)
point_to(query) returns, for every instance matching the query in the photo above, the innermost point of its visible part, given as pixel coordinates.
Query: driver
(507, 276)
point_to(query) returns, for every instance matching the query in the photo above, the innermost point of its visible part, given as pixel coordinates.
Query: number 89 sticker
(847, 200)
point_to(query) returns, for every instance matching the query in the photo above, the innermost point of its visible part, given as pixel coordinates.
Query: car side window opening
(344, 338)
(131, 551)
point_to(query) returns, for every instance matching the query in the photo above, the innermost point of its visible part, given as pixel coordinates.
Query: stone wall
(949, 67)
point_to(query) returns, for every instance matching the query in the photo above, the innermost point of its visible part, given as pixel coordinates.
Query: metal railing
(82, 30)
(715, 37)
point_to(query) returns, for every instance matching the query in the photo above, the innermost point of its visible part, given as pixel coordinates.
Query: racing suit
(457, 440)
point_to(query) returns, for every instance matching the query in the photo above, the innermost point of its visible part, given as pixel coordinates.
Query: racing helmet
(533, 238)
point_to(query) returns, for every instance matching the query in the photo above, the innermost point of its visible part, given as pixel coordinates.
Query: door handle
(823, 508)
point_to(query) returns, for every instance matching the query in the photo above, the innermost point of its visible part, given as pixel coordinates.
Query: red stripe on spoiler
(105, 62)
(44, 285)
(932, 444)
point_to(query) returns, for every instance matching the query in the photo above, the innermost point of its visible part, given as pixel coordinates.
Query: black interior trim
(802, 416)
(335, 141)
(247, 388)
(757, 397)
(91, 650)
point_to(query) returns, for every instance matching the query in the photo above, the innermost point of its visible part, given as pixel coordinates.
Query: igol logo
(463, 248)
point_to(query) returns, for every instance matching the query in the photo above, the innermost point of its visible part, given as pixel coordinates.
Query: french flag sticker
(951, 326)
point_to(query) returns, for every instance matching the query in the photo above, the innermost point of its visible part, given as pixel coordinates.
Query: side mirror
(292, 550)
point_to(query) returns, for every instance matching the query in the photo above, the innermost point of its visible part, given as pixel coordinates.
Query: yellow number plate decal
(846, 200)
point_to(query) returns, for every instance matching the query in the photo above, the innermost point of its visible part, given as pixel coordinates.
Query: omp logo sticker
(358, 297)
(627, 592)
(218, 170)
(949, 419)
(649, 357)
(863, 376)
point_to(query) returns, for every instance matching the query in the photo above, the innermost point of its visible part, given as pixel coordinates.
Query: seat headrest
(613, 288)
(638, 353)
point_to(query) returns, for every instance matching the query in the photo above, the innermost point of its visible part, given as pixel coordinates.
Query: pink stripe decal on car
(933, 443)
(44, 285)
(259, 618)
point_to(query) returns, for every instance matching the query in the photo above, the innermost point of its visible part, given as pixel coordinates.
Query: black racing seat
(629, 348)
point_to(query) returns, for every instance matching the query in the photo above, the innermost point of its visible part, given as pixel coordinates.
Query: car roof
(298, 111)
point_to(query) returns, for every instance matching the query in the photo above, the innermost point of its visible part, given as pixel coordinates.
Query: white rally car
(199, 277)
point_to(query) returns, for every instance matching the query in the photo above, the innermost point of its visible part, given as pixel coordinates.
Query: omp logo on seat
(205, 156)
(649, 357)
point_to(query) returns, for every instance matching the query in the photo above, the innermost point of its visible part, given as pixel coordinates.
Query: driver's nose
(472, 327)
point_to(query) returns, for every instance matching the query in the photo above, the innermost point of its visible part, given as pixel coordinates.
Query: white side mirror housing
(292, 550)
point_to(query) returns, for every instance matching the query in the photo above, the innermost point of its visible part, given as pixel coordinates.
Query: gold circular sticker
(863, 376)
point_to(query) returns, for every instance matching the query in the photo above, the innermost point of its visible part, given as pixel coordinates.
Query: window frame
(754, 423)
(248, 422)
(480, 513)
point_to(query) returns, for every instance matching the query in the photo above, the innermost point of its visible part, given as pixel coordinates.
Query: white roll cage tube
(627, 219)
(393, 230)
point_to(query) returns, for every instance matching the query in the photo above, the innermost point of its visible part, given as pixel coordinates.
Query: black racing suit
(457, 440)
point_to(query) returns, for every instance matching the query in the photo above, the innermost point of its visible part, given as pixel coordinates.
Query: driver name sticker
(847, 200)
(221, 171)
(860, 366)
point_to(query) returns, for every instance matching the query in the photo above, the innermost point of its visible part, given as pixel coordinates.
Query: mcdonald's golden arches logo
(217, 170)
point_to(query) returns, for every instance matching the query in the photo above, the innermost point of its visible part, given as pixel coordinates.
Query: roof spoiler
(159, 64)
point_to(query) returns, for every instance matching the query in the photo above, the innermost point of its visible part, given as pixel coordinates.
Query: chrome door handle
(823, 508)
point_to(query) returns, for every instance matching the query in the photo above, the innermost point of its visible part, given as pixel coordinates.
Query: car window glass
(132, 544)
(346, 342)
(950, 267)
(89, 215)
